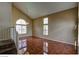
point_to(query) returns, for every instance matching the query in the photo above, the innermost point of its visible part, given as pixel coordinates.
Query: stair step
(5, 42)
(7, 46)
(5, 50)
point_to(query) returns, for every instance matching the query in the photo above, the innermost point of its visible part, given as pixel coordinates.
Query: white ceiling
(37, 9)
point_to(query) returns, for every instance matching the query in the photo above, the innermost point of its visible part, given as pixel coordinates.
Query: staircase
(7, 47)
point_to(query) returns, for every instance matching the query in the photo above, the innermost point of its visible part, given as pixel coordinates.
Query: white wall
(5, 18)
(61, 26)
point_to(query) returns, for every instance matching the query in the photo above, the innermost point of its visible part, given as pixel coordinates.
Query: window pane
(45, 27)
(45, 20)
(24, 29)
(45, 30)
(18, 29)
(21, 29)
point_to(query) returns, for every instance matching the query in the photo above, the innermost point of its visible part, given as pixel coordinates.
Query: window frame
(21, 25)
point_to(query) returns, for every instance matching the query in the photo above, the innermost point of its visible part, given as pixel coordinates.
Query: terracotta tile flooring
(37, 45)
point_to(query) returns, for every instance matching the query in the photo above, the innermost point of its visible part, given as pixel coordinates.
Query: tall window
(45, 26)
(21, 26)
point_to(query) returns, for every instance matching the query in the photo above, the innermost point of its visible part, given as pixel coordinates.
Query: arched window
(21, 26)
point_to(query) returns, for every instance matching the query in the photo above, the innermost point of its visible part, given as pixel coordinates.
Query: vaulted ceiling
(37, 9)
